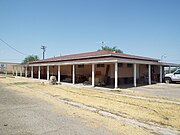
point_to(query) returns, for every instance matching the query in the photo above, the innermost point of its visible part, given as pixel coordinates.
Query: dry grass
(161, 114)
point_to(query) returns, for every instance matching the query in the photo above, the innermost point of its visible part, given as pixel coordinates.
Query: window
(129, 65)
(81, 66)
(100, 65)
(177, 72)
(120, 64)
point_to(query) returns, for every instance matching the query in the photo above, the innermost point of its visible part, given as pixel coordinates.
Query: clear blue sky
(142, 27)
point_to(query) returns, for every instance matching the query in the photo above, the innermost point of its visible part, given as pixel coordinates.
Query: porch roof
(170, 64)
(97, 55)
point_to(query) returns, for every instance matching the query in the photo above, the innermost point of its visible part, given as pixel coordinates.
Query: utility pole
(163, 57)
(102, 43)
(44, 49)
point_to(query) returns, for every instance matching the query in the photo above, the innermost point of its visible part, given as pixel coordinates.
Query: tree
(113, 49)
(30, 58)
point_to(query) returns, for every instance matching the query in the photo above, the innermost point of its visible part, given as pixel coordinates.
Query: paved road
(163, 90)
(20, 115)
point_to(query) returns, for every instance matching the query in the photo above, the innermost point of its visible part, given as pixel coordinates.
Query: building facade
(7, 67)
(100, 68)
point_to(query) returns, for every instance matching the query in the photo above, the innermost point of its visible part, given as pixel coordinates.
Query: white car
(172, 77)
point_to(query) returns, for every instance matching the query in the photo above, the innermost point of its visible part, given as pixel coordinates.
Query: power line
(12, 47)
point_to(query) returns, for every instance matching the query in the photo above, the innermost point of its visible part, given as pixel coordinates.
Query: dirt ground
(27, 115)
(131, 115)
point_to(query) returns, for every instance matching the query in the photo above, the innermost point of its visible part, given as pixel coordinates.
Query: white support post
(48, 73)
(26, 72)
(134, 75)
(6, 70)
(116, 75)
(161, 74)
(93, 75)
(59, 73)
(169, 69)
(16, 71)
(32, 72)
(21, 71)
(73, 76)
(39, 72)
(149, 73)
(13, 71)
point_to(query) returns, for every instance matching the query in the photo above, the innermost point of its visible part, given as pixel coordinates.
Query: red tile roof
(91, 55)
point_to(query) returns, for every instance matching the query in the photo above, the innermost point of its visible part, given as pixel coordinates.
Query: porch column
(116, 75)
(16, 71)
(39, 72)
(161, 74)
(149, 73)
(169, 69)
(73, 77)
(26, 72)
(6, 69)
(134, 75)
(93, 75)
(47, 72)
(59, 73)
(21, 71)
(32, 72)
(13, 70)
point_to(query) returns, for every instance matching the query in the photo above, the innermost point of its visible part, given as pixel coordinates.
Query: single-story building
(7, 67)
(99, 68)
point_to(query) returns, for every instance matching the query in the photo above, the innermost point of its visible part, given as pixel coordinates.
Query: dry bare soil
(107, 109)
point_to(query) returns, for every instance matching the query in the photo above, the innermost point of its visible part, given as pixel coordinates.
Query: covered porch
(109, 74)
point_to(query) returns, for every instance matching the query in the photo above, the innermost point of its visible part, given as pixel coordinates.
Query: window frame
(81, 66)
(120, 65)
(129, 65)
(100, 65)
